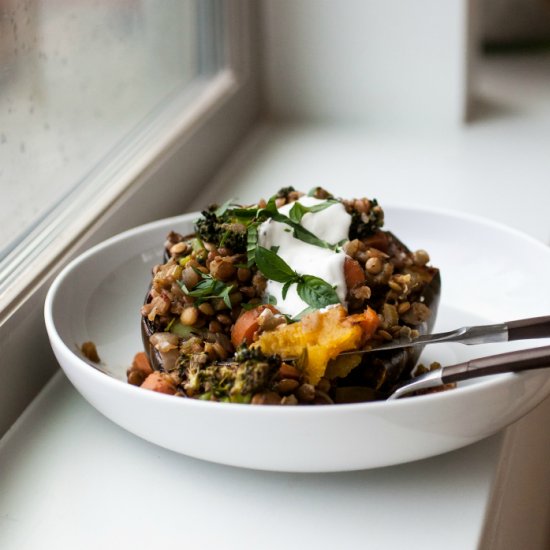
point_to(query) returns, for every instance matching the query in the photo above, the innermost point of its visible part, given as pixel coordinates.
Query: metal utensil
(522, 329)
(513, 361)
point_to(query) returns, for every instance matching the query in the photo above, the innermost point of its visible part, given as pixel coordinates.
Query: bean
(389, 313)
(248, 291)
(352, 247)
(305, 393)
(220, 350)
(385, 335)
(206, 308)
(394, 286)
(395, 331)
(403, 307)
(235, 298)
(287, 385)
(222, 269)
(266, 398)
(189, 316)
(321, 398)
(219, 304)
(210, 350)
(288, 371)
(289, 400)
(374, 265)
(178, 248)
(215, 326)
(90, 352)
(190, 277)
(421, 258)
(243, 274)
(224, 319)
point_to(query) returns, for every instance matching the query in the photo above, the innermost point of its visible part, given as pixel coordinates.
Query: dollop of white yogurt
(331, 225)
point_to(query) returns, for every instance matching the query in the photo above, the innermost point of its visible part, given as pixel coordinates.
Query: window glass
(77, 79)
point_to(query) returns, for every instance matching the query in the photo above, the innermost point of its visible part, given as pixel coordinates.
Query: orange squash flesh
(323, 335)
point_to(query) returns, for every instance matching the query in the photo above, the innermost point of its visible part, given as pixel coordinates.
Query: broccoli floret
(364, 224)
(221, 231)
(237, 381)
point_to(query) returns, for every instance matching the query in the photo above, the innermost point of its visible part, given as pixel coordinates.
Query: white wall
(387, 62)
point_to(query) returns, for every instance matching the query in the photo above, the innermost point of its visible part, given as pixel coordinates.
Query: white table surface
(69, 478)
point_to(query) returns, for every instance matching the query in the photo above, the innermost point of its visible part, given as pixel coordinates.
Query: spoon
(513, 361)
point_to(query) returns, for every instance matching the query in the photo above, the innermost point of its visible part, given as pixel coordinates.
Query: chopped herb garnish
(298, 210)
(252, 242)
(274, 267)
(220, 211)
(316, 292)
(208, 288)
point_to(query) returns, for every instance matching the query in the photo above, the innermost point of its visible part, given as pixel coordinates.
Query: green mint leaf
(271, 300)
(306, 236)
(273, 266)
(225, 295)
(224, 237)
(300, 232)
(197, 244)
(270, 207)
(315, 292)
(221, 210)
(242, 214)
(285, 288)
(251, 243)
(298, 210)
(208, 288)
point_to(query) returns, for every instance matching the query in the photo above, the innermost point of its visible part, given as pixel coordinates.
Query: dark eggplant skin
(148, 328)
(378, 371)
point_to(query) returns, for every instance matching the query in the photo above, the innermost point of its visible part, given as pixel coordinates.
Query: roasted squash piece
(319, 337)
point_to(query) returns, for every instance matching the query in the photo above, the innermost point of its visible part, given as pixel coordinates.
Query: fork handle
(513, 361)
(536, 327)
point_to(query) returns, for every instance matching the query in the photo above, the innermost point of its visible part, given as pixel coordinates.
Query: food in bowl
(259, 303)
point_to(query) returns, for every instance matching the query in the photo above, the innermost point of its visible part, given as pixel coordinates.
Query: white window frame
(188, 151)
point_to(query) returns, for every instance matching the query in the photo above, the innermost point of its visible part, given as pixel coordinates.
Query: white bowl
(490, 274)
